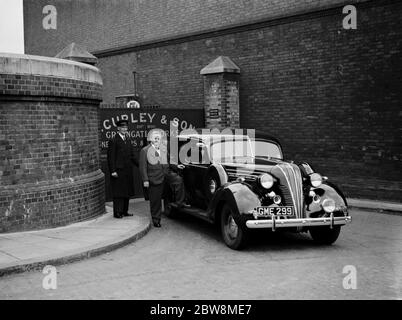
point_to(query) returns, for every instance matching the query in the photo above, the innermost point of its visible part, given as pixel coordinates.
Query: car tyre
(234, 235)
(325, 235)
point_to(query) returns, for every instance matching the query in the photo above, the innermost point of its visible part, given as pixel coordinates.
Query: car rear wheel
(234, 235)
(325, 235)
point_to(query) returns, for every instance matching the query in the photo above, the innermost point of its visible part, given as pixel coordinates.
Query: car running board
(196, 212)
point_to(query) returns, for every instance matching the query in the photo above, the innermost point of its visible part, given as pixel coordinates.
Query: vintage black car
(243, 184)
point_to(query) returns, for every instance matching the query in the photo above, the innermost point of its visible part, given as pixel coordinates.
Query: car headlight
(315, 179)
(266, 181)
(328, 205)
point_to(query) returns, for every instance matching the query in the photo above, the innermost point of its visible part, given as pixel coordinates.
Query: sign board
(140, 122)
(214, 113)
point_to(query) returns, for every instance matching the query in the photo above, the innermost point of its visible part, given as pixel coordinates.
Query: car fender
(333, 189)
(238, 195)
(218, 173)
(218, 168)
(325, 191)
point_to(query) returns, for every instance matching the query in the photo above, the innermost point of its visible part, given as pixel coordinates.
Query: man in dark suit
(121, 158)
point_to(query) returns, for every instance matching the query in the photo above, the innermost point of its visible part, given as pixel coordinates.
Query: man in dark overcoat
(121, 159)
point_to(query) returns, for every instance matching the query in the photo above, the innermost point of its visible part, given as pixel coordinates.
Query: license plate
(277, 211)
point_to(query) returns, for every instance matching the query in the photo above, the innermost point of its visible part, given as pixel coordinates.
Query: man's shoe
(126, 214)
(157, 225)
(118, 216)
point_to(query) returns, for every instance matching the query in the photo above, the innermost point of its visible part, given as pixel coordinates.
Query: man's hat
(122, 123)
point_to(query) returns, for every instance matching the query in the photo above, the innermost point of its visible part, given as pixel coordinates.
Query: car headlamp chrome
(328, 205)
(266, 181)
(315, 179)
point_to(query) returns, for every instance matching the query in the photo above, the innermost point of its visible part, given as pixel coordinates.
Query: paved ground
(186, 259)
(22, 251)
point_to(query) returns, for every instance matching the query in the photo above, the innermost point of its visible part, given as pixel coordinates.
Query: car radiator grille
(286, 197)
(292, 188)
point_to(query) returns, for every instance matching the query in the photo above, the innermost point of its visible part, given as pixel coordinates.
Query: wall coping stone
(222, 64)
(11, 63)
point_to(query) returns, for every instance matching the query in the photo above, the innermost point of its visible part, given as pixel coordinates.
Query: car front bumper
(304, 222)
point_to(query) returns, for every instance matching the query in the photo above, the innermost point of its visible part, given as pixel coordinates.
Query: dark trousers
(120, 206)
(175, 182)
(155, 201)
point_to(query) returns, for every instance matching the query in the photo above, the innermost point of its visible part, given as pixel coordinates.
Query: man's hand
(146, 184)
(181, 166)
(115, 175)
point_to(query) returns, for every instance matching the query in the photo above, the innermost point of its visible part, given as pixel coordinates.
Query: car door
(194, 172)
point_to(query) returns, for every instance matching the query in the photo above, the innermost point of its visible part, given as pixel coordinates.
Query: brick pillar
(221, 94)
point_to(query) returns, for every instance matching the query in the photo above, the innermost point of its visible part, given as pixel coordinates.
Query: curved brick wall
(49, 149)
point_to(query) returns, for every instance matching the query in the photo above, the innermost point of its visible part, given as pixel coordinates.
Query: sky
(11, 26)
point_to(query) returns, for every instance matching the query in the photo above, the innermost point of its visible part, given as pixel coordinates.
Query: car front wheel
(325, 235)
(234, 235)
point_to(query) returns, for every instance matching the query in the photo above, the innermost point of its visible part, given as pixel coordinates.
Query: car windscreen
(231, 150)
(266, 149)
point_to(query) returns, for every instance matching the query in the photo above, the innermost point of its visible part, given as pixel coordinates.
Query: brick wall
(44, 86)
(49, 146)
(45, 141)
(117, 72)
(330, 95)
(56, 203)
(104, 24)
